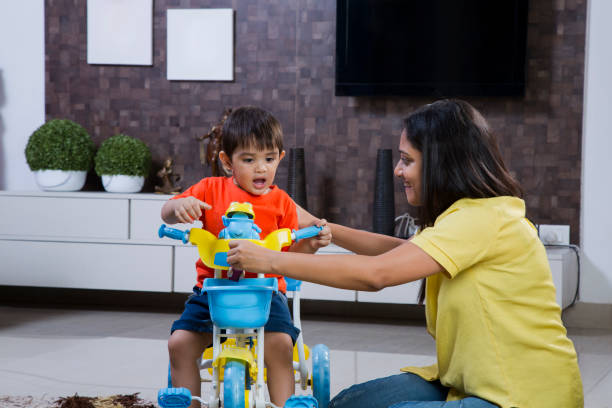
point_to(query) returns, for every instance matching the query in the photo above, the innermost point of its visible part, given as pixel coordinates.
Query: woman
(489, 297)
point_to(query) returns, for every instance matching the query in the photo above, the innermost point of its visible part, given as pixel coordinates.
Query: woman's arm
(363, 242)
(357, 241)
(404, 263)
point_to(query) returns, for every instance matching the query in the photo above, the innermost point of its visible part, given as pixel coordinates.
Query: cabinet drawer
(321, 292)
(185, 274)
(405, 294)
(86, 265)
(145, 219)
(55, 217)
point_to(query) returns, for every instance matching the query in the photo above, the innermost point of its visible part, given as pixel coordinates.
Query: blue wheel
(320, 374)
(234, 384)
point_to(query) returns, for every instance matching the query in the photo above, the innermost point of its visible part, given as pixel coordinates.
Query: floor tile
(52, 352)
(90, 367)
(600, 396)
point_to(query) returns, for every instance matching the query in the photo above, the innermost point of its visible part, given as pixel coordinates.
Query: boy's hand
(188, 209)
(323, 239)
(311, 245)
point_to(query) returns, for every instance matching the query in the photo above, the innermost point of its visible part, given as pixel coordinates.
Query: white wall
(596, 210)
(22, 87)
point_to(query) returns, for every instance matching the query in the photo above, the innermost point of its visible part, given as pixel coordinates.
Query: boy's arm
(183, 210)
(305, 219)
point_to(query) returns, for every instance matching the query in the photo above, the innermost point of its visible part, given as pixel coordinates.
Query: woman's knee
(386, 391)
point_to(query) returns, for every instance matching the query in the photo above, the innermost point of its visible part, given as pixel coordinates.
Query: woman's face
(409, 170)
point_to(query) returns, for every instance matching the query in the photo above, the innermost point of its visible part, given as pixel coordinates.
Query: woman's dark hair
(251, 126)
(460, 159)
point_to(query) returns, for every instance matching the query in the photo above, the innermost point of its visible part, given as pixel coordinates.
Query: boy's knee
(277, 343)
(176, 343)
(184, 344)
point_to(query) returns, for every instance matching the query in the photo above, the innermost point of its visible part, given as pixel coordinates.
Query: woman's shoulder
(480, 216)
(503, 206)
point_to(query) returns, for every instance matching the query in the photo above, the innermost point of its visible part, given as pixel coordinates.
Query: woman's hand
(185, 210)
(249, 256)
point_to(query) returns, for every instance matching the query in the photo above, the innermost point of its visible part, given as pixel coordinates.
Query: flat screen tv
(442, 48)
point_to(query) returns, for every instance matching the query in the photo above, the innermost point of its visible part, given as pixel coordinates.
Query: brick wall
(285, 63)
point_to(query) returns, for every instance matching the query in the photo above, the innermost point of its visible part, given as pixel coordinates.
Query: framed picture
(200, 44)
(120, 32)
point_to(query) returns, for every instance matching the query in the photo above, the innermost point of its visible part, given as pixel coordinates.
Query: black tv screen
(431, 47)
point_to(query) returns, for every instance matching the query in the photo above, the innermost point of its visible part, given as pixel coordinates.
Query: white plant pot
(122, 184)
(60, 180)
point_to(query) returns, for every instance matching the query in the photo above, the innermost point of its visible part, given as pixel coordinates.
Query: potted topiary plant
(60, 152)
(123, 162)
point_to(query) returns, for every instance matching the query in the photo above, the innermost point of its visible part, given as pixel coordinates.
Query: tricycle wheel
(320, 374)
(234, 384)
(169, 375)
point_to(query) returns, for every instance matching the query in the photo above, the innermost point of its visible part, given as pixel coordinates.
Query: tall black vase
(296, 178)
(384, 202)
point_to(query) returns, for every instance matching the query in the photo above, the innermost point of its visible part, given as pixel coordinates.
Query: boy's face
(253, 169)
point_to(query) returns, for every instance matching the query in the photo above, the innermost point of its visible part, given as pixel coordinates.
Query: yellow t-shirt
(493, 312)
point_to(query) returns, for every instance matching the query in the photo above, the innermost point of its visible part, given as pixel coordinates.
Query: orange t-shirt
(273, 211)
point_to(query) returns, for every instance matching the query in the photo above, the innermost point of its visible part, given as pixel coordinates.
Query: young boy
(252, 144)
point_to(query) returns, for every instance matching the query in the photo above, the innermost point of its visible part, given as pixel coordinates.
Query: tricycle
(239, 309)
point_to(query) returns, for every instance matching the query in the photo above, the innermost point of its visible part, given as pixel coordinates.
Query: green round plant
(123, 154)
(60, 144)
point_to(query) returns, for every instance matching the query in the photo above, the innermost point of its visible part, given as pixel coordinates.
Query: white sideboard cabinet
(85, 240)
(99, 240)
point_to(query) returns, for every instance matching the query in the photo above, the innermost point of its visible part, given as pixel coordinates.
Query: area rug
(76, 401)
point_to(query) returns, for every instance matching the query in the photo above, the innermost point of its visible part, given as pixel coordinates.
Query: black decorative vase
(384, 203)
(296, 178)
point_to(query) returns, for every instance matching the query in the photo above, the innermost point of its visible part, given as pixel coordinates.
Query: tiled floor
(48, 353)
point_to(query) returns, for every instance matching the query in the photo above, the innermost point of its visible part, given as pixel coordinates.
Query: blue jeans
(405, 390)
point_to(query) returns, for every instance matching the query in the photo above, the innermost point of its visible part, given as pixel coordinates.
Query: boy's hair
(461, 158)
(250, 126)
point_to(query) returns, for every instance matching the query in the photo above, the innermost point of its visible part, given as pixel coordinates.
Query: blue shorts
(196, 316)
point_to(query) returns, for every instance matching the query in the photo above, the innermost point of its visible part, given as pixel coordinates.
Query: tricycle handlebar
(173, 233)
(307, 232)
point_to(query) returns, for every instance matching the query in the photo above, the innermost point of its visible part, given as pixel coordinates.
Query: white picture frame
(120, 32)
(200, 45)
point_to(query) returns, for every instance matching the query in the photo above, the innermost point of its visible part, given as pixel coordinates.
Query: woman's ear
(225, 161)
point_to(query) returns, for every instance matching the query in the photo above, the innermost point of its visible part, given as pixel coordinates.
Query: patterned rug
(76, 401)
